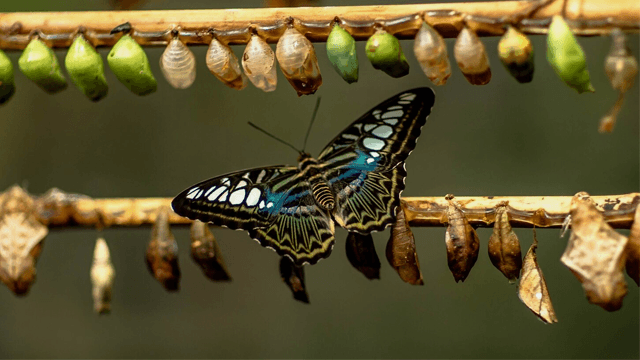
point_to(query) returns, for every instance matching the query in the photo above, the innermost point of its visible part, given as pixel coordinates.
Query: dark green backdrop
(500, 139)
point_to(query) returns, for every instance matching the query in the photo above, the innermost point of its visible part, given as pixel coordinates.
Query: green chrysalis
(567, 57)
(7, 85)
(39, 63)
(341, 51)
(86, 69)
(129, 63)
(385, 53)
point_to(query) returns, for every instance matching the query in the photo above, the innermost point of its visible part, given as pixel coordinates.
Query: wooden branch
(59, 209)
(152, 28)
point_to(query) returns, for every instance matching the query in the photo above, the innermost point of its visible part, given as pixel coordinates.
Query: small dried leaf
(102, 275)
(401, 250)
(362, 255)
(21, 240)
(504, 246)
(206, 253)
(632, 250)
(293, 276)
(162, 252)
(462, 243)
(533, 290)
(595, 254)
(298, 62)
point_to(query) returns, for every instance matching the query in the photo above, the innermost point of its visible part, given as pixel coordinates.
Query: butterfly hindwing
(365, 163)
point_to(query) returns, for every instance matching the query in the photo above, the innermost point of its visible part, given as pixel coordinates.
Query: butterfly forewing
(365, 163)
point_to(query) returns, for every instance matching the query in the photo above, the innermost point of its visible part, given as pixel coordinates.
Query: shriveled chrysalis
(298, 62)
(258, 62)
(293, 276)
(504, 246)
(178, 64)
(431, 52)
(223, 63)
(40, 64)
(461, 241)
(401, 250)
(162, 252)
(206, 252)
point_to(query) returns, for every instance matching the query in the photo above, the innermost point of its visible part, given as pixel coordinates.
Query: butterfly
(356, 183)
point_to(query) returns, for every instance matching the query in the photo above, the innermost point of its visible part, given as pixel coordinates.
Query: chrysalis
(21, 240)
(362, 255)
(462, 242)
(298, 62)
(385, 53)
(178, 64)
(504, 246)
(223, 63)
(7, 85)
(86, 69)
(258, 62)
(341, 51)
(206, 253)
(401, 250)
(567, 57)
(516, 54)
(632, 251)
(595, 254)
(532, 290)
(102, 275)
(471, 57)
(39, 63)
(162, 252)
(130, 65)
(293, 276)
(431, 52)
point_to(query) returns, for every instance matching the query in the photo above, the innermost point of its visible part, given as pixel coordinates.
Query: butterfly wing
(273, 203)
(364, 164)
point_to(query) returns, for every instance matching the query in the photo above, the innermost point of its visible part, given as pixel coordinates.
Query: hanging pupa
(516, 54)
(362, 255)
(298, 62)
(7, 85)
(206, 253)
(341, 51)
(461, 241)
(401, 250)
(385, 53)
(162, 252)
(178, 64)
(86, 69)
(471, 57)
(293, 276)
(431, 52)
(39, 63)
(632, 251)
(130, 65)
(102, 275)
(223, 63)
(567, 57)
(504, 246)
(258, 62)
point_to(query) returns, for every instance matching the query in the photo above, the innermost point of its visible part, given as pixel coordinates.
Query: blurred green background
(500, 139)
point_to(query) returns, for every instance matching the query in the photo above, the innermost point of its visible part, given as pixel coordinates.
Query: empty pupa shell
(102, 275)
(130, 65)
(472, 58)
(516, 54)
(206, 253)
(362, 255)
(86, 69)
(385, 53)
(162, 252)
(298, 62)
(223, 63)
(567, 57)
(504, 246)
(620, 66)
(178, 64)
(341, 51)
(7, 85)
(39, 63)
(293, 276)
(431, 52)
(401, 250)
(462, 243)
(258, 62)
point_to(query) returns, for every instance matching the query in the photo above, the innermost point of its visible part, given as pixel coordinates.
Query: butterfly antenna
(313, 118)
(273, 136)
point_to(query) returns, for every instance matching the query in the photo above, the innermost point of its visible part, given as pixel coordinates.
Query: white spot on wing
(391, 122)
(192, 193)
(373, 143)
(395, 107)
(392, 114)
(408, 96)
(195, 194)
(350, 136)
(224, 196)
(237, 197)
(210, 190)
(254, 196)
(216, 193)
(382, 131)
(269, 205)
(226, 182)
(368, 127)
(261, 175)
(261, 204)
(404, 102)
(374, 154)
(376, 114)
(369, 160)
(241, 184)
(539, 295)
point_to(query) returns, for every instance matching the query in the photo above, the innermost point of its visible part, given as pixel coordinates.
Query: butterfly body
(355, 182)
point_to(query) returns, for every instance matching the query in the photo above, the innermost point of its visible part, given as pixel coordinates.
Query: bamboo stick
(59, 209)
(152, 28)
